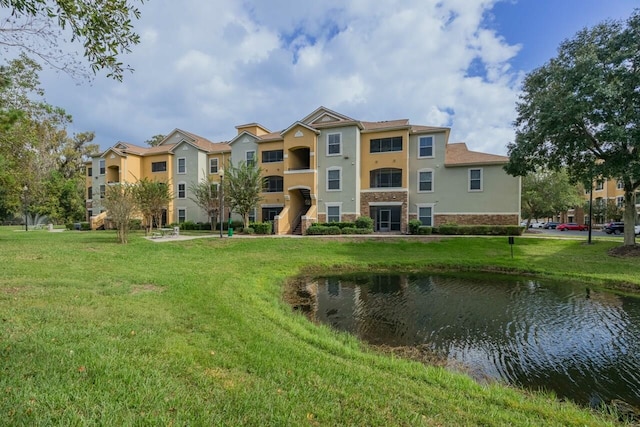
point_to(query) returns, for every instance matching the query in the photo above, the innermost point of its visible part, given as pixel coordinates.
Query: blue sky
(206, 67)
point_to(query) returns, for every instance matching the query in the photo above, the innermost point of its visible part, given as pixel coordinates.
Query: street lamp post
(25, 205)
(221, 194)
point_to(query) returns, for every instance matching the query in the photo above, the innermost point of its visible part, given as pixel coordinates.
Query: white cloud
(208, 66)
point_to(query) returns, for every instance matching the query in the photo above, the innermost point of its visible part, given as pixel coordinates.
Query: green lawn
(196, 333)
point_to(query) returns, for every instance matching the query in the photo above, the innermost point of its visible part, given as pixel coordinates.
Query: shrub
(364, 222)
(414, 226)
(248, 230)
(85, 226)
(135, 224)
(424, 230)
(316, 230)
(481, 230)
(69, 226)
(261, 227)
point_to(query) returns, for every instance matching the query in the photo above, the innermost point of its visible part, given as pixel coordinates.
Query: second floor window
(425, 181)
(182, 190)
(103, 190)
(213, 165)
(386, 178)
(89, 171)
(383, 145)
(272, 156)
(182, 165)
(273, 184)
(334, 144)
(103, 167)
(333, 179)
(159, 167)
(599, 185)
(475, 179)
(90, 193)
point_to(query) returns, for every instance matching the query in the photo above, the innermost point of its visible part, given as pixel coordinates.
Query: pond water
(581, 343)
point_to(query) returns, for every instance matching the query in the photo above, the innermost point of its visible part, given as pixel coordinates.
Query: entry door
(384, 219)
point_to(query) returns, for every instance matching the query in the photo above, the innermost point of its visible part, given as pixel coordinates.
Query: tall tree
(545, 193)
(206, 196)
(120, 201)
(152, 197)
(581, 110)
(104, 28)
(242, 188)
(155, 140)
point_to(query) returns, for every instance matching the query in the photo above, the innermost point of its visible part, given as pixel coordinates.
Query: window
(90, 193)
(620, 201)
(333, 179)
(620, 185)
(272, 156)
(103, 166)
(252, 215)
(382, 145)
(159, 167)
(182, 165)
(273, 184)
(386, 178)
(333, 213)
(425, 180)
(250, 158)
(425, 215)
(89, 171)
(475, 179)
(599, 185)
(103, 189)
(213, 165)
(182, 190)
(334, 144)
(182, 215)
(425, 146)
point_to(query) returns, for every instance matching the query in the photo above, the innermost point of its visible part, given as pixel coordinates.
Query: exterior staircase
(297, 223)
(97, 221)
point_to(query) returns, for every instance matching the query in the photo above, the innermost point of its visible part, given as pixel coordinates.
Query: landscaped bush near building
(364, 222)
(261, 227)
(414, 225)
(479, 230)
(342, 225)
(318, 230)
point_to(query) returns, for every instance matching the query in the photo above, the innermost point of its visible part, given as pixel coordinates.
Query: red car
(571, 226)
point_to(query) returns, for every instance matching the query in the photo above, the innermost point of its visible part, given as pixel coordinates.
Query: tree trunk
(629, 218)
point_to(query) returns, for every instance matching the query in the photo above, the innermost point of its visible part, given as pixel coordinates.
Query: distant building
(326, 167)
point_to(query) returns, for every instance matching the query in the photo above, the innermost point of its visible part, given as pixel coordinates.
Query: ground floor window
(269, 214)
(333, 213)
(386, 218)
(182, 215)
(425, 215)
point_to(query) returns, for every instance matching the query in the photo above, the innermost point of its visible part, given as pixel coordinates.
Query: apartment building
(328, 167)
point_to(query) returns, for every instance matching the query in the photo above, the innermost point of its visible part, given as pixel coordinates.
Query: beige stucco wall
(395, 159)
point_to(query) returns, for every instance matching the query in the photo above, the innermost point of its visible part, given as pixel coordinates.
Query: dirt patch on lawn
(627, 251)
(145, 288)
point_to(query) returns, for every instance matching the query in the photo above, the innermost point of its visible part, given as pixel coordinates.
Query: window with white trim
(213, 165)
(425, 146)
(425, 215)
(250, 158)
(620, 185)
(102, 165)
(182, 190)
(334, 179)
(252, 215)
(334, 144)
(425, 180)
(182, 215)
(90, 193)
(103, 190)
(599, 185)
(333, 213)
(182, 165)
(620, 201)
(475, 179)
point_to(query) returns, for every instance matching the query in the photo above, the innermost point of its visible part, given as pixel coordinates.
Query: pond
(580, 343)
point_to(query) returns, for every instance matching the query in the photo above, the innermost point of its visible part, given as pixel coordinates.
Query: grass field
(196, 333)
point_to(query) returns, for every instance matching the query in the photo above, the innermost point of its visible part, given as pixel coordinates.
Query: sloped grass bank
(197, 333)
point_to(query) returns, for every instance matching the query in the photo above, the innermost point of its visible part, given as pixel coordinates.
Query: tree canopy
(205, 195)
(546, 193)
(242, 188)
(104, 28)
(581, 111)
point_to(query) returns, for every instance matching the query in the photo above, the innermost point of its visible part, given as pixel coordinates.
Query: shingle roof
(458, 154)
(385, 124)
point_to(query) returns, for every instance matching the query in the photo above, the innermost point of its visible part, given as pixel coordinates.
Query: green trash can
(229, 227)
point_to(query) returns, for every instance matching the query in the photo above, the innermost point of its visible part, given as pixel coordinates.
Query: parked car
(636, 229)
(615, 227)
(550, 225)
(571, 226)
(537, 224)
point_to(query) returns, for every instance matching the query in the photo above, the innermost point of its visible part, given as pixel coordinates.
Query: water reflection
(583, 344)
